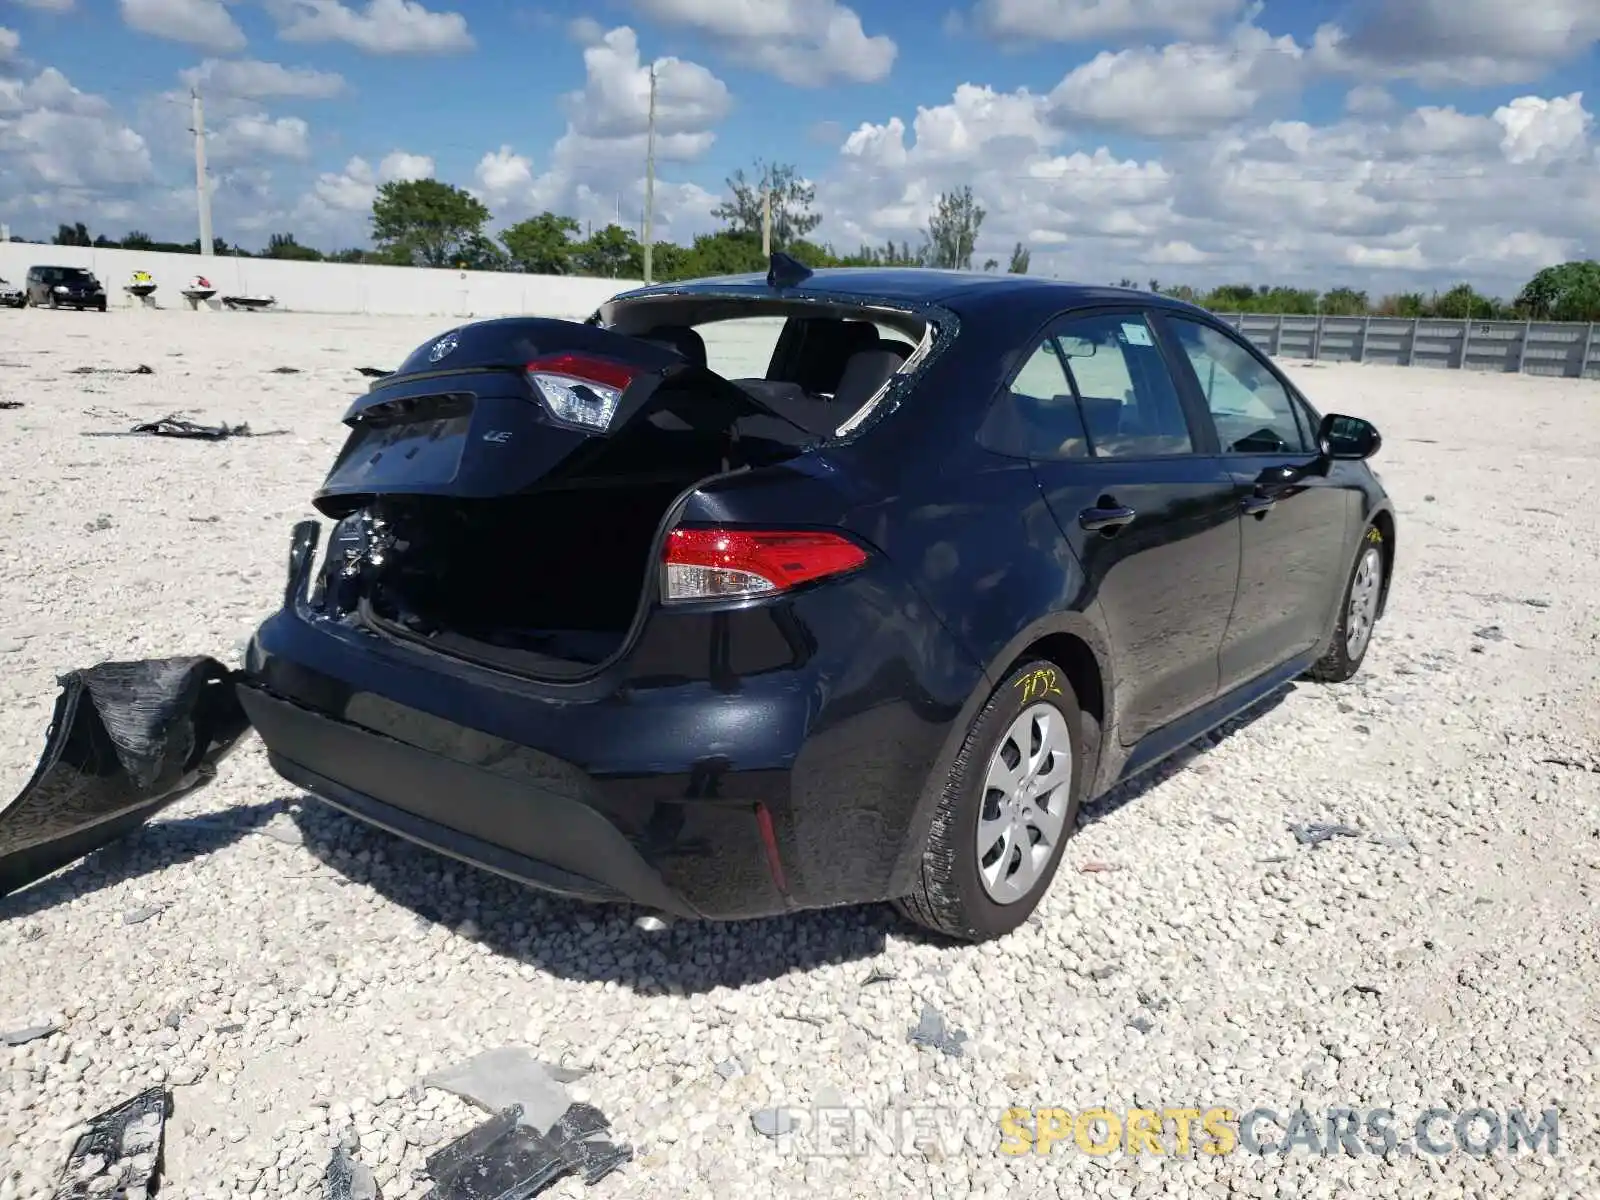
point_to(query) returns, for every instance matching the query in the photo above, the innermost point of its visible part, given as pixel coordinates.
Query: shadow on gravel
(146, 850)
(587, 942)
(1195, 752)
(599, 943)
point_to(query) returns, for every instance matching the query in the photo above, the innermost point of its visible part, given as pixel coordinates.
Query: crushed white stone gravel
(299, 973)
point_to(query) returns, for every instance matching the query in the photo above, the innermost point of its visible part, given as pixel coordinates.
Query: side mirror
(1348, 437)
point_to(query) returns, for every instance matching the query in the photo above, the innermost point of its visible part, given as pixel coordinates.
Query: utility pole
(766, 213)
(202, 190)
(650, 183)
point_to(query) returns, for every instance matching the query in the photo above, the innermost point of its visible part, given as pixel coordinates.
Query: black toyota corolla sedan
(870, 626)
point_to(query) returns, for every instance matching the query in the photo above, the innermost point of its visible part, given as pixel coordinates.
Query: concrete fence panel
(1568, 350)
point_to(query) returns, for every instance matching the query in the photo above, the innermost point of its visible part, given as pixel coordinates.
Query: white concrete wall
(326, 287)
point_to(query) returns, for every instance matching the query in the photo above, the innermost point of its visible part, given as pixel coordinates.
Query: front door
(1148, 508)
(1295, 519)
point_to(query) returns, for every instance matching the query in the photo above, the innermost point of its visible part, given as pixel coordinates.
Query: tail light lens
(579, 390)
(732, 564)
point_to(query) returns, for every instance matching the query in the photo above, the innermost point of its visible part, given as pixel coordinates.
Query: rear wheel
(1008, 808)
(1358, 613)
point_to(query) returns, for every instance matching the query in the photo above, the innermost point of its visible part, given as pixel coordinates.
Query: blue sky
(1201, 139)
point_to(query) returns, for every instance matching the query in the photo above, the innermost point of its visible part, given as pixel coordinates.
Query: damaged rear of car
(605, 620)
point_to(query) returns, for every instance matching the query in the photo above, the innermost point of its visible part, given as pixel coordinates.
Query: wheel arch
(1383, 518)
(1073, 641)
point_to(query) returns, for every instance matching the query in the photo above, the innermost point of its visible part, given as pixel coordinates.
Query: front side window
(1251, 408)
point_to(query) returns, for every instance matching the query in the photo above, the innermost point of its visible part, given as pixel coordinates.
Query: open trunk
(545, 582)
(500, 496)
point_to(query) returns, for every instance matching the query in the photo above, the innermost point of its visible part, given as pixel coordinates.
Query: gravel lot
(1446, 955)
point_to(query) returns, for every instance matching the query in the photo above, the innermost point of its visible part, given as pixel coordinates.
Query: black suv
(65, 287)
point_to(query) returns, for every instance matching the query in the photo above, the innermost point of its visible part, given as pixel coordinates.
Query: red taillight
(580, 390)
(721, 564)
(589, 370)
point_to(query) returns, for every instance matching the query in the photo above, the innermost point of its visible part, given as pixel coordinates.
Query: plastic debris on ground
(772, 1122)
(373, 372)
(508, 1076)
(1314, 833)
(21, 1037)
(932, 1032)
(119, 1155)
(10, 404)
(180, 428)
(504, 1159)
(125, 740)
(347, 1179)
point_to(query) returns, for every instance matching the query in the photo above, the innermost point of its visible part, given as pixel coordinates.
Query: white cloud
(339, 204)
(615, 100)
(1443, 42)
(1382, 202)
(1181, 89)
(1540, 130)
(378, 27)
(807, 43)
(595, 170)
(1368, 100)
(400, 166)
(62, 144)
(1091, 20)
(249, 137)
(250, 79)
(205, 23)
(10, 41)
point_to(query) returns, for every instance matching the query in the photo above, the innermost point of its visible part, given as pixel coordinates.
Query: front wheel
(1008, 808)
(1358, 613)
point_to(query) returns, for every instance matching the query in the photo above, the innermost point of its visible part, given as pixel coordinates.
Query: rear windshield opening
(827, 363)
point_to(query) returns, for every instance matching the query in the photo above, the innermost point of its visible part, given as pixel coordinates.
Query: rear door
(1294, 517)
(1132, 477)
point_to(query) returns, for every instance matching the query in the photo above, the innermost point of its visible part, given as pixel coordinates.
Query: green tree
(137, 239)
(73, 235)
(283, 245)
(611, 252)
(1569, 292)
(482, 253)
(426, 222)
(1345, 302)
(953, 230)
(1021, 259)
(792, 198)
(1460, 303)
(541, 245)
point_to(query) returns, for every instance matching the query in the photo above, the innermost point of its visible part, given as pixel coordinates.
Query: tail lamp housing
(579, 389)
(747, 564)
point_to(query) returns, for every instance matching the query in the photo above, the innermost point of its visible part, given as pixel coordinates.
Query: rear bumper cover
(533, 835)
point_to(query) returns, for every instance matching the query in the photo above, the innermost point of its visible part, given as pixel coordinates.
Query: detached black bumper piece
(126, 740)
(537, 837)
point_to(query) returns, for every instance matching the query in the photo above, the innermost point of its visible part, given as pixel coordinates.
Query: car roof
(916, 287)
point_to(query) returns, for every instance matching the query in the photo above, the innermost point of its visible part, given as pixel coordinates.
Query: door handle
(1257, 505)
(1103, 519)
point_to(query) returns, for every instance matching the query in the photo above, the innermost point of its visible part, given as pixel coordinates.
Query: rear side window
(1037, 416)
(1128, 402)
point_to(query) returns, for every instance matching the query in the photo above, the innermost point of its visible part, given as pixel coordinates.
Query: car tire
(962, 891)
(1358, 613)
